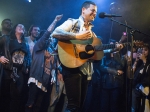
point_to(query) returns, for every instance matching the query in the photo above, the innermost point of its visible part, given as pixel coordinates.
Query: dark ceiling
(42, 12)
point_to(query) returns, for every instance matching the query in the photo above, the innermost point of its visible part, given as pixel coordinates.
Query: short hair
(86, 4)
(31, 28)
(5, 20)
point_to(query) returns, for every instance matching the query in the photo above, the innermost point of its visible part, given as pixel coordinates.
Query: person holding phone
(141, 81)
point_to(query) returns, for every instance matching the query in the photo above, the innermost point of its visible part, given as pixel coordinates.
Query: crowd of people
(37, 76)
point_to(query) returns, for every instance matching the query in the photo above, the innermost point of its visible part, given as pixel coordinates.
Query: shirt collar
(82, 21)
(32, 40)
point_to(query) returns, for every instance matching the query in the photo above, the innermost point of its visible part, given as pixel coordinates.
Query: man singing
(76, 79)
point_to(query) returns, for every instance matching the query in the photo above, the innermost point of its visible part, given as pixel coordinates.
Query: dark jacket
(142, 78)
(37, 65)
(4, 45)
(109, 68)
(5, 51)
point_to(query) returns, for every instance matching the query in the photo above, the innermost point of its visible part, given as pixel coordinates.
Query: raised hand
(84, 35)
(58, 17)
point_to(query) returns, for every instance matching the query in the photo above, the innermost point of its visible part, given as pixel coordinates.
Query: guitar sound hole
(89, 49)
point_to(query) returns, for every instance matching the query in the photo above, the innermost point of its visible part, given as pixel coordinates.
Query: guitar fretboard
(105, 46)
(109, 46)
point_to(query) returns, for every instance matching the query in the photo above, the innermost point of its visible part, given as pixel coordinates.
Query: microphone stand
(135, 30)
(130, 75)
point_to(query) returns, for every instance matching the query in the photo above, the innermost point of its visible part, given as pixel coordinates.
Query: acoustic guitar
(75, 53)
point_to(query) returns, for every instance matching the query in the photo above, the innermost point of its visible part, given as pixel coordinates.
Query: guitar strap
(75, 29)
(76, 26)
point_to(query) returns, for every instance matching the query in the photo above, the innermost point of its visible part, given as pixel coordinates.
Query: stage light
(29, 0)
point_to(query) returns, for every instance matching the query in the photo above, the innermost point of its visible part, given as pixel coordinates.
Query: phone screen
(129, 53)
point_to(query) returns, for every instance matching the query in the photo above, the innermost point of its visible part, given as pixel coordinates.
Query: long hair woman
(141, 82)
(15, 69)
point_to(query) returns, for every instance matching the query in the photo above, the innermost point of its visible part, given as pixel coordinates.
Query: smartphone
(129, 53)
(139, 51)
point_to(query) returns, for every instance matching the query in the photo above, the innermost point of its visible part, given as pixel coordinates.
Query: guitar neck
(105, 46)
(109, 46)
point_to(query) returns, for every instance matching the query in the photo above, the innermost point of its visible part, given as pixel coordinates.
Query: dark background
(42, 12)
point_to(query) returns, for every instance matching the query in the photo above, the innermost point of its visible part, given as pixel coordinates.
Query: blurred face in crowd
(89, 13)
(20, 29)
(7, 25)
(134, 53)
(35, 32)
(144, 53)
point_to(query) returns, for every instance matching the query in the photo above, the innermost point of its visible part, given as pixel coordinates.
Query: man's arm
(63, 32)
(3, 60)
(109, 70)
(42, 41)
(63, 35)
(53, 24)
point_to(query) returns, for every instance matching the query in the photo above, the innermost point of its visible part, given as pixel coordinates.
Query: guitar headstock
(138, 43)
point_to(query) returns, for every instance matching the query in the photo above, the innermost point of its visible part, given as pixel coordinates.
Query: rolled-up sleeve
(66, 26)
(63, 32)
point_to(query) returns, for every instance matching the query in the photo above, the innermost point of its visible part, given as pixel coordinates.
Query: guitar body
(69, 52)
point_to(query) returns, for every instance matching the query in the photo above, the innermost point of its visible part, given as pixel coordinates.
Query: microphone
(102, 15)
